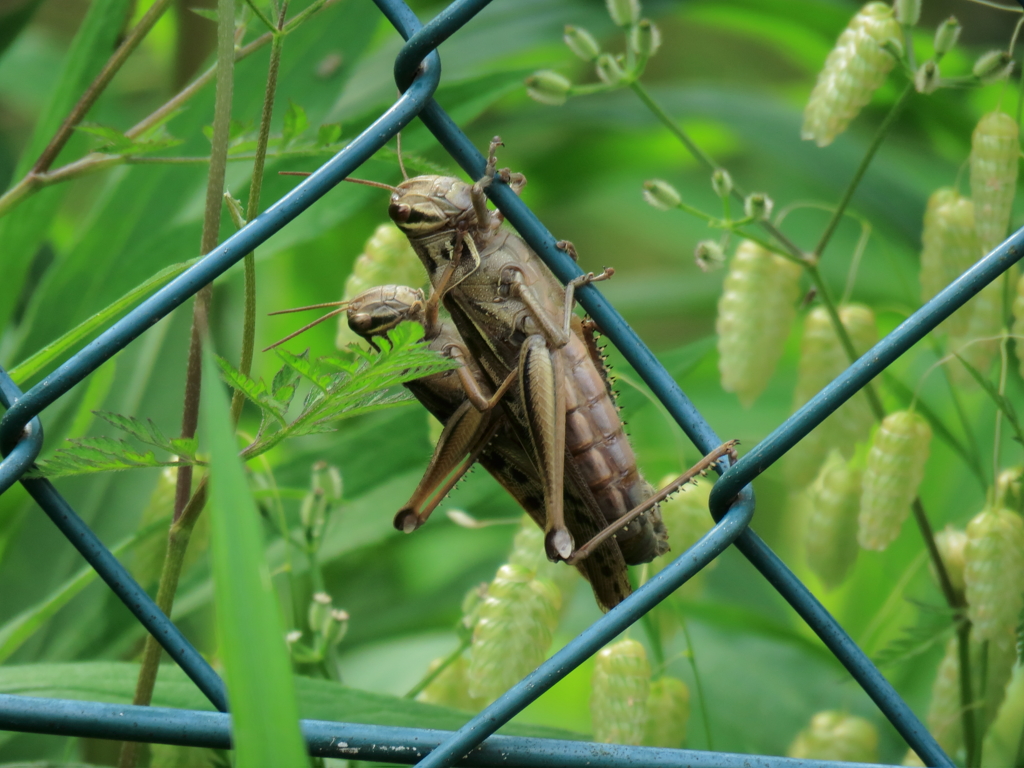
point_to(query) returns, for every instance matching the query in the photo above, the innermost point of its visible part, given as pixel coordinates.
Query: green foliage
(732, 74)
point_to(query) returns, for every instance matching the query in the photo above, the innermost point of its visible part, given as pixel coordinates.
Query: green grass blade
(22, 231)
(249, 622)
(29, 367)
(20, 628)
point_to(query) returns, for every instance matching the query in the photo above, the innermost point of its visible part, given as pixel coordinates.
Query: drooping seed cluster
(515, 621)
(627, 707)
(995, 155)
(835, 735)
(950, 247)
(895, 468)
(994, 571)
(831, 533)
(853, 71)
(755, 312)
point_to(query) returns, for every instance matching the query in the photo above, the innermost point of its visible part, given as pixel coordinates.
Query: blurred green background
(736, 74)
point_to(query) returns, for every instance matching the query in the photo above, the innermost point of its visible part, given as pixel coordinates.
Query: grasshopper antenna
(366, 182)
(401, 165)
(341, 307)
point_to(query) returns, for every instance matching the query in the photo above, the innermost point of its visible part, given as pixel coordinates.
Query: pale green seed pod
(619, 692)
(950, 247)
(995, 152)
(645, 39)
(992, 66)
(609, 70)
(994, 572)
(624, 13)
(755, 312)
(946, 35)
(548, 87)
(661, 194)
(952, 543)
(831, 534)
(822, 358)
(758, 206)
(853, 71)
(1002, 657)
(895, 468)
(514, 624)
(721, 182)
(1018, 323)
(668, 710)
(837, 736)
(907, 11)
(528, 552)
(944, 709)
(581, 42)
(928, 77)
(451, 687)
(387, 259)
(709, 255)
(1009, 486)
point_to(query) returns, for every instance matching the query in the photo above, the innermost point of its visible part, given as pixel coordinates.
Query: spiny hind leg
(700, 468)
(484, 217)
(541, 387)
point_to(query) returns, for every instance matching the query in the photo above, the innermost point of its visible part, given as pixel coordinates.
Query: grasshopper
(476, 434)
(516, 319)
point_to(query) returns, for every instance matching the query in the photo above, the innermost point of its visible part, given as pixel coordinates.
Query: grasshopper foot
(407, 520)
(558, 544)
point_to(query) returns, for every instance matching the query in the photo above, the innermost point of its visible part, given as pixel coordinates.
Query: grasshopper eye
(361, 323)
(399, 212)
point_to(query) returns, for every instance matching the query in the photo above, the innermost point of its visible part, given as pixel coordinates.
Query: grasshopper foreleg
(465, 435)
(700, 468)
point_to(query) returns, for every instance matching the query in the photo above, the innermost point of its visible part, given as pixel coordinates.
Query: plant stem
(699, 154)
(696, 677)
(182, 524)
(98, 85)
(876, 142)
(433, 674)
(963, 639)
(97, 161)
(252, 209)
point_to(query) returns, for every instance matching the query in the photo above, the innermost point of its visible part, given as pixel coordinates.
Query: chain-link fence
(417, 73)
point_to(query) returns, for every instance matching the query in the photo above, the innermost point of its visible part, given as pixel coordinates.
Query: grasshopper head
(427, 204)
(381, 309)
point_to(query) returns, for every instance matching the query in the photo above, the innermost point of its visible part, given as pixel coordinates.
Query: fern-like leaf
(144, 431)
(931, 627)
(89, 455)
(255, 391)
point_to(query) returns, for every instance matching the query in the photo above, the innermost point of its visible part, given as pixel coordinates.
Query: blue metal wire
(360, 742)
(417, 72)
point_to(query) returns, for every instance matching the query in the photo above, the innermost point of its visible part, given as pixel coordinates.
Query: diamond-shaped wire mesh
(732, 500)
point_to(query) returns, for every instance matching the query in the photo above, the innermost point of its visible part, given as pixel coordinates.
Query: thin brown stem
(98, 85)
(252, 209)
(181, 526)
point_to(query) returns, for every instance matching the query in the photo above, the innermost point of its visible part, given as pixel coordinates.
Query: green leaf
(302, 366)
(255, 391)
(251, 630)
(931, 627)
(206, 13)
(327, 134)
(113, 140)
(16, 630)
(1001, 401)
(143, 431)
(29, 367)
(295, 123)
(22, 232)
(88, 455)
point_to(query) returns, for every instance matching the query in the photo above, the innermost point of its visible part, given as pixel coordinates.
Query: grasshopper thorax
(425, 205)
